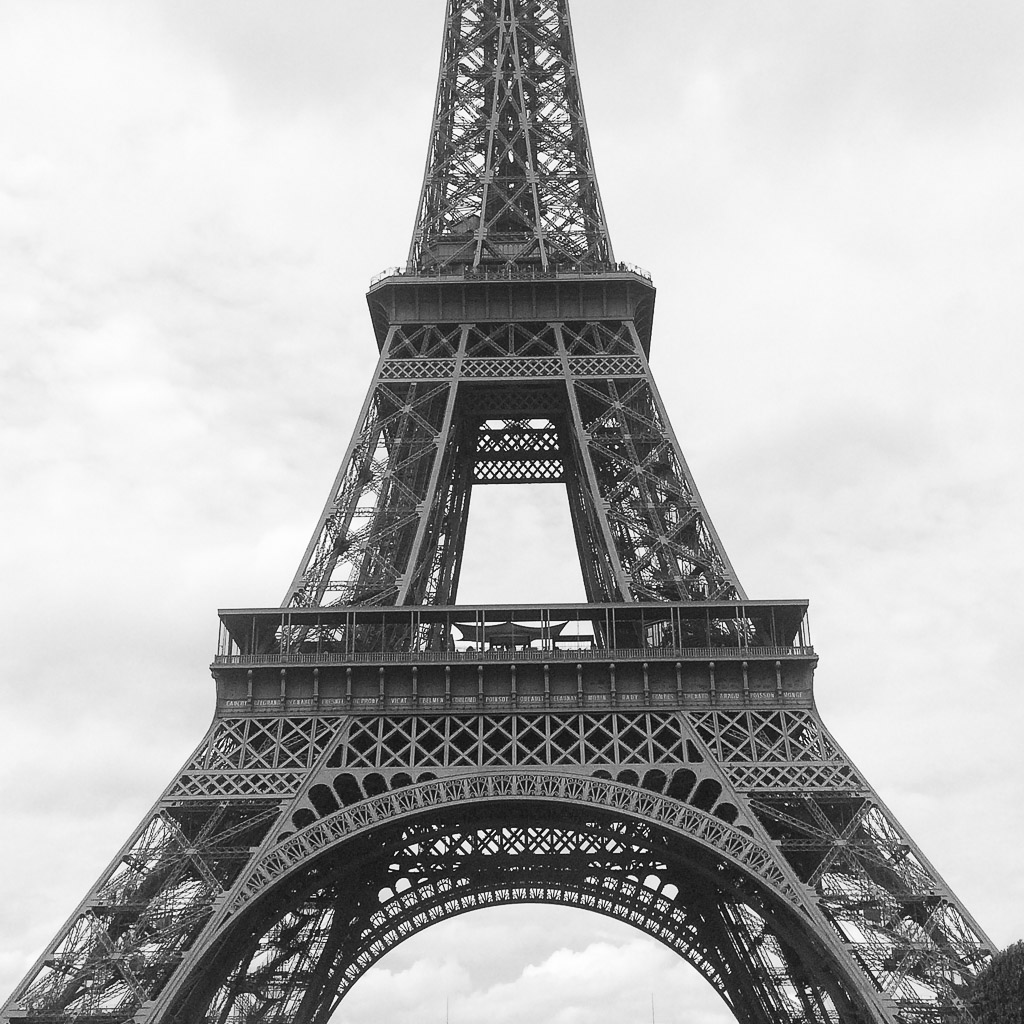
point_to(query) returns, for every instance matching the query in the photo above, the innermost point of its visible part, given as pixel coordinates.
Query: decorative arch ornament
(734, 844)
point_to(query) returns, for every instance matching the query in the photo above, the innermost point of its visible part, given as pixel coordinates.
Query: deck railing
(517, 655)
(528, 272)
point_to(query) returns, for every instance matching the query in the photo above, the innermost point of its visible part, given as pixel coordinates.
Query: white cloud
(515, 963)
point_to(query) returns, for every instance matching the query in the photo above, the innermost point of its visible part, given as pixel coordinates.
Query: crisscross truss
(518, 451)
(662, 537)
(569, 402)
(510, 176)
(783, 750)
(907, 930)
(366, 539)
(878, 892)
(125, 944)
(256, 756)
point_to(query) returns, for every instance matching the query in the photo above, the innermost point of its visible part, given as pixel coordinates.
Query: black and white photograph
(511, 513)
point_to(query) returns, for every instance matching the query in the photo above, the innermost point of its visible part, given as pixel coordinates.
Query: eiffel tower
(382, 758)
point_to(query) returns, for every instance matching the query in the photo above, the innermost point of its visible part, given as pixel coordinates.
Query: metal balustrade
(503, 655)
(509, 272)
(438, 634)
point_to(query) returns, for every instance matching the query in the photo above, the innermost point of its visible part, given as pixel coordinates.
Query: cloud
(534, 556)
(513, 963)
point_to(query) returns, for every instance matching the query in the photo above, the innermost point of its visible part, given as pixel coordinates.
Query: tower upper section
(509, 179)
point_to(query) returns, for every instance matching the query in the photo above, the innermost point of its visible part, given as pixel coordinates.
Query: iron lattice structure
(382, 758)
(510, 176)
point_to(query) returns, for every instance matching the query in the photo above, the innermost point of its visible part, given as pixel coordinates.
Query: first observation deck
(422, 659)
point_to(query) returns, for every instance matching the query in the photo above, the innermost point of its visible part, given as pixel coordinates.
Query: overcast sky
(193, 197)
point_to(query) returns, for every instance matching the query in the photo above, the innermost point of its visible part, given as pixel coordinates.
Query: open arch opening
(292, 952)
(531, 963)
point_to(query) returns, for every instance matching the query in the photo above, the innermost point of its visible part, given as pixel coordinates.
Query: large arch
(323, 903)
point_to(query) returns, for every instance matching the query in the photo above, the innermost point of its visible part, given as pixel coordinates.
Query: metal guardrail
(505, 655)
(510, 273)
